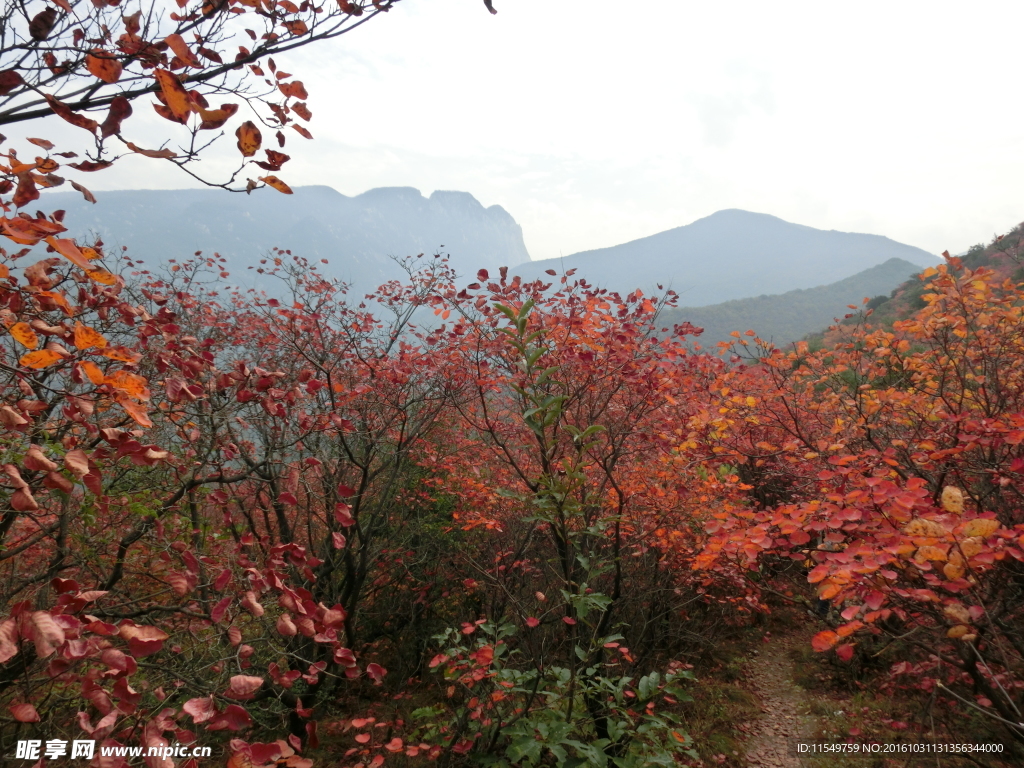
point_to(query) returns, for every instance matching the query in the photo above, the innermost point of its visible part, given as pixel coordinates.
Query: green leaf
(523, 748)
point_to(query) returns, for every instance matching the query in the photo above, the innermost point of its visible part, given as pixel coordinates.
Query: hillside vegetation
(786, 317)
(1004, 256)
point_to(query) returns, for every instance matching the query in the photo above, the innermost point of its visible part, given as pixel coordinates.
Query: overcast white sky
(594, 122)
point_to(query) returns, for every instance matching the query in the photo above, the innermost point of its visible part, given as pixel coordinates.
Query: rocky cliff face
(357, 235)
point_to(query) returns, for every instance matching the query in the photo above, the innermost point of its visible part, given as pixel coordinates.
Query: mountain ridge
(712, 257)
(358, 235)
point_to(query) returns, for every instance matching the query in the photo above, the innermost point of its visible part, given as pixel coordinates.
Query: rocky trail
(784, 704)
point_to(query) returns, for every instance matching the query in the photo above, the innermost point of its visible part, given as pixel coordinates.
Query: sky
(595, 122)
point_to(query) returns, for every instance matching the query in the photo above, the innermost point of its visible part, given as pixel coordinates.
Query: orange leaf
(121, 354)
(215, 118)
(40, 359)
(24, 335)
(57, 298)
(823, 641)
(294, 89)
(4, 272)
(130, 384)
(93, 371)
(276, 183)
(249, 138)
(136, 411)
(157, 153)
(103, 65)
(67, 248)
(175, 94)
(101, 276)
(181, 50)
(86, 337)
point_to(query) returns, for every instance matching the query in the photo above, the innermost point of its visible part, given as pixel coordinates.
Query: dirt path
(783, 702)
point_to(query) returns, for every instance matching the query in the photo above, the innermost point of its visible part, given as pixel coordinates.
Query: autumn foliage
(446, 522)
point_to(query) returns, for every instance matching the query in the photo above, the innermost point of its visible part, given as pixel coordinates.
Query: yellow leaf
(86, 337)
(958, 613)
(958, 631)
(923, 527)
(40, 359)
(276, 183)
(971, 547)
(982, 527)
(24, 335)
(953, 571)
(930, 553)
(953, 500)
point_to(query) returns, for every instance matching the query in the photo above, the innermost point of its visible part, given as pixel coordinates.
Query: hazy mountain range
(358, 235)
(781, 279)
(732, 254)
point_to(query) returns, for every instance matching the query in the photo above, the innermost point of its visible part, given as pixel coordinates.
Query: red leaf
(343, 514)
(35, 460)
(74, 118)
(243, 687)
(220, 609)
(233, 718)
(77, 462)
(24, 713)
(85, 192)
(286, 626)
(120, 109)
(200, 709)
(9, 80)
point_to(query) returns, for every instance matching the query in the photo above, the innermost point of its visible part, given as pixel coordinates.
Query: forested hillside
(787, 317)
(1004, 257)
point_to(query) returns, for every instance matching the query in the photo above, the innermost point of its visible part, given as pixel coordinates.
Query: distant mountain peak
(732, 254)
